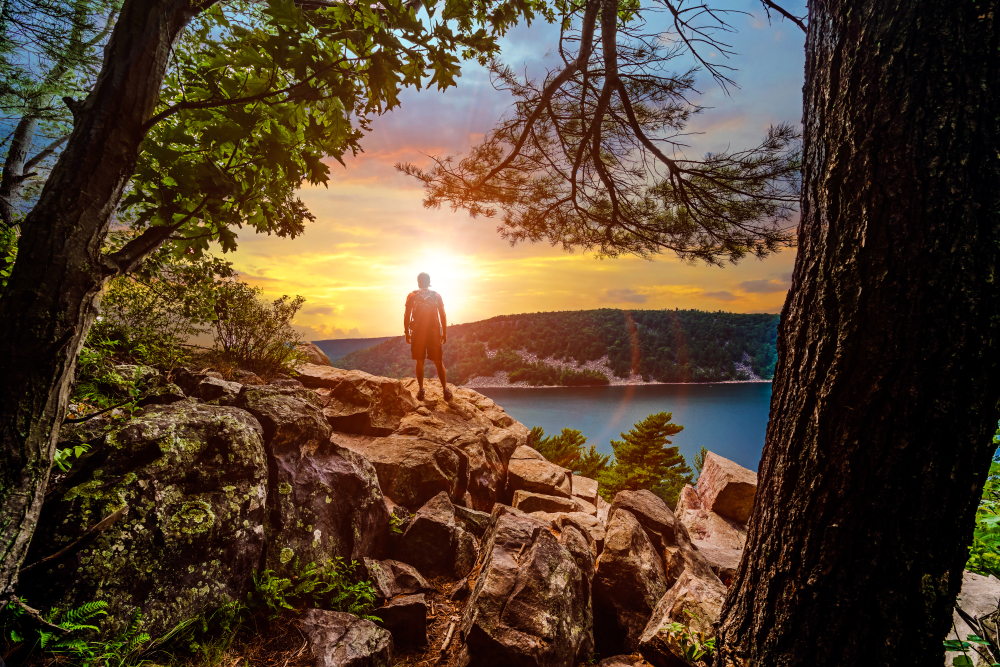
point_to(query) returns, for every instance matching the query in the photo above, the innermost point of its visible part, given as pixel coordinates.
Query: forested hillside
(661, 345)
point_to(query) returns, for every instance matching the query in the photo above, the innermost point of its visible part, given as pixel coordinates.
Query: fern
(331, 585)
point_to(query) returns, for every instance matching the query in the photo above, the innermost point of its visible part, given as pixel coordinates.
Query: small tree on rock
(644, 461)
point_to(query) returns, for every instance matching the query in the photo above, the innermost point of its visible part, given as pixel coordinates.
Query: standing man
(420, 324)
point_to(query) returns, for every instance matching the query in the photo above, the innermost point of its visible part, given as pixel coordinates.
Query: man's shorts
(427, 346)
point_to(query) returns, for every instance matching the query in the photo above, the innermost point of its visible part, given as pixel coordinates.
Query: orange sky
(372, 235)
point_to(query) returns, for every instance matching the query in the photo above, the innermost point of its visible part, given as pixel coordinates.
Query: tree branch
(794, 19)
(47, 151)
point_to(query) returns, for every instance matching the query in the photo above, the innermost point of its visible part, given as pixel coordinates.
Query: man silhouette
(424, 307)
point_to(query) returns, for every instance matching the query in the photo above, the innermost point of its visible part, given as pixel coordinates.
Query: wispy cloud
(624, 295)
(764, 286)
(721, 296)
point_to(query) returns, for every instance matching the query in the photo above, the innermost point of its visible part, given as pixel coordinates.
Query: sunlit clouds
(372, 235)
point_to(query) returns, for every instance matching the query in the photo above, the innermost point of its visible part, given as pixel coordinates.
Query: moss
(286, 555)
(194, 517)
(284, 488)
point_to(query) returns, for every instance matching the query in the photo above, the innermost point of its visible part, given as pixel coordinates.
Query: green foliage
(259, 93)
(984, 554)
(567, 450)
(333, 585)
(643, 461)
(661, 345)
(8, 253)
(694, 644)
(75, 644)
(254, 334)
(395, 524)
(699, 460)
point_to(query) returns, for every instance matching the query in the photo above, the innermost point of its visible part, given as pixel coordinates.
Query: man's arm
(444, 320)
(406, 319)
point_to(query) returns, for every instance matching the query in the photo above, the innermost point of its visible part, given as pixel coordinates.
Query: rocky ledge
(481, 551)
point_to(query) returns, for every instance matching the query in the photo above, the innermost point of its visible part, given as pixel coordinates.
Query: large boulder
(405, 617)
(694, 602)
(978, 598)
(449, 446)
(410, 470)
(313, 355)
(338, 639)
(181, 492)
(584, 522)
(727, 488)
(531, 604)
(436, 543)
(529, 471)
(356, 402)
(325, 500)
(630, 580)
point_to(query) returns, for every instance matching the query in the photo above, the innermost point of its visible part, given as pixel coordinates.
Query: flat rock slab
(707, 526)
(529, 502)
(406, 618)
(585, 488)
(539, 476)
(337, 639)
(724, 561)
(727, 488)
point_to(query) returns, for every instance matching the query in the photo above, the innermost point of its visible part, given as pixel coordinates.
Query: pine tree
(591, 463)
(564, 449)
(643, 461)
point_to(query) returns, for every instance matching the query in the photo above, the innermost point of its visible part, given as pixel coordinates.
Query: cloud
(319, 310)
(626, 295)
(764, 286)
(721, 296)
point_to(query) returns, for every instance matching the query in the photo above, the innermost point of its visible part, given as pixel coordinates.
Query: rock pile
(170, 513)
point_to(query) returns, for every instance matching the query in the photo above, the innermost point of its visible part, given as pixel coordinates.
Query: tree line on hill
(660, 345)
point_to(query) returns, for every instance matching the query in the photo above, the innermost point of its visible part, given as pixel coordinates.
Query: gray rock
(325, 500)
(356, 402)
(692, 601)
(406, 579)
(539, 477)
(191, 482)
(724, 561)
(630, 580)
(435, 543)
(979, 597)
(337, 639)
(313, 354)
(727, 488)
(530, 605)
(585, 488)
(651, 512)
(214, 389)
(406, 618)
(472, 520)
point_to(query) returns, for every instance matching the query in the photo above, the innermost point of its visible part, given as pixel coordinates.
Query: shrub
(255, 334)
(567, 450)
(333, 585)
(643, 461)
(984, 554)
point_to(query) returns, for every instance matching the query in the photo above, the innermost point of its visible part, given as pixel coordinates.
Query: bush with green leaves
(644, 461)
(984, 554)
(256, 334)
(567, 450)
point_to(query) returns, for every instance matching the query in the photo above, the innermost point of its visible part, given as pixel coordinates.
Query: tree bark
(54, 290)
(886, 389)
(12, 179)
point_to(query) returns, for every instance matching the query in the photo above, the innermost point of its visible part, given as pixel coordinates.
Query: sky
(372, 235)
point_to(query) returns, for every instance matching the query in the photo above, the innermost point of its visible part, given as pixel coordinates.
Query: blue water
(728, 419)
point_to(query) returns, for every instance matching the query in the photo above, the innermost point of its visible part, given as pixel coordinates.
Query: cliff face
(443, 503)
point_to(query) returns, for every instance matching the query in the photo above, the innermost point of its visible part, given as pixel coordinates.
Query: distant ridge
(588, 347)
(338, 348)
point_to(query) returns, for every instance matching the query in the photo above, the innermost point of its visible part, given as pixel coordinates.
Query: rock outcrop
(337, 639)
(727, 488)
(529, 471)
(531, 604)
(165, 516)
(356, 402)
(436, 543)
(325, 500)
(313, 355)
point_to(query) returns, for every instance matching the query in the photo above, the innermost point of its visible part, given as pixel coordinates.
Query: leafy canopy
(568, 450)
(644, 461)
(258, 95)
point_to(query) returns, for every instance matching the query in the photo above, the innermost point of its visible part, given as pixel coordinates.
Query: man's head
(423, 281)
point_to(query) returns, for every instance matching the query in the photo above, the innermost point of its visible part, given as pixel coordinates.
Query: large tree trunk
(54, 289)
(885, 395)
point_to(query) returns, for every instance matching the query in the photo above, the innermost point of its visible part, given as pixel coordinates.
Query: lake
(728, 419)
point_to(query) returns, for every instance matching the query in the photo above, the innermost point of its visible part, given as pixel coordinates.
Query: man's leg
(442, 374)
(420, 374)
